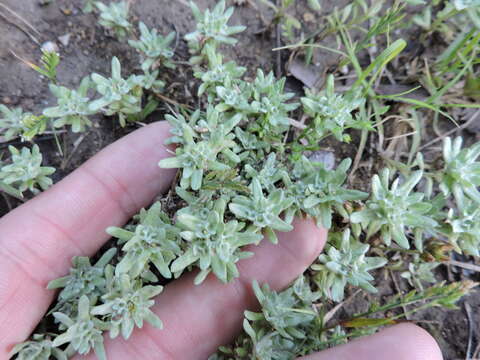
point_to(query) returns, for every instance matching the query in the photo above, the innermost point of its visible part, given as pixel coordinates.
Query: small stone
(6, 100)
(65, 39)
(50, 46)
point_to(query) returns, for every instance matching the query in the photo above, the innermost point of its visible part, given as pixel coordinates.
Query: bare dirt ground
(89, 50)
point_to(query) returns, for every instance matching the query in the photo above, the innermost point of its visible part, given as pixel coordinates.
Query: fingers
(38, 239)
(400, 342)
(198, 319)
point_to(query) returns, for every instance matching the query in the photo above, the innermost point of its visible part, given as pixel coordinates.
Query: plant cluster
(75, 108)
(345, 261)
(25, 172)
(245, 171)
(114, 17)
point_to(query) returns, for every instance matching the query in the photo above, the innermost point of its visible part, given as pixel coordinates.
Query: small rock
(327, 158)
(50, 46)
(309, 75)
(65, 39)
(6, 100)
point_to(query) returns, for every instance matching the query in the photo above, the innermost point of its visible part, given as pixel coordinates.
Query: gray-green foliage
(211, 243)
(72, 106)
(244, 172)
(319, 192)
(395, 209)
(345, 261)
(119, 96)
(263, 210)
(201, 151)
(465, 4)
(419, 272)
(464, 230)
(331, 113)
(84, 279)
(217, 73)
(287, 326)
(212, 28)
(40, 348)
(127, 304)
(152, 240)
(278, 308)
(25, 171)
(11, 122)
(154, 48)
(461, 173)
(89, 6)
(114, 17)
(84, 332)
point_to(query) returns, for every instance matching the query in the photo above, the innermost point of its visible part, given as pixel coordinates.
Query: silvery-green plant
(217, 73)
(122, 97)
(270, 104)
(11, 122)
(83, 333)
(213, 244)
(396, 209)
(465, 4)
(264, 99)
(34, 125)
(331, 113)
(233, 96)
(345, 261)
(252, 147)
(286, 310)
(202, 145)
(271, 172)
(127, 304)
(460, 175)
(153, 240)
(72, 106)
(263, 210)
(464, 228)
(39, 348)
(88, 6)
(114, 17)
(319, 192)
(154, 48)
(25, 170)
(84, 279)
(287, 326)
(212, 28)
(243, 173)
(150, 81)
(419, 272)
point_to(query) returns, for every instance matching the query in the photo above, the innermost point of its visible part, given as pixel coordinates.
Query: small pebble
(65, 39)
(6, 100)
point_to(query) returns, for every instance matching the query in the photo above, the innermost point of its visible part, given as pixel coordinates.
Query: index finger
(39, 238)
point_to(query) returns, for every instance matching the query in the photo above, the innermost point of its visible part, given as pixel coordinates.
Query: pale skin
(39, 238)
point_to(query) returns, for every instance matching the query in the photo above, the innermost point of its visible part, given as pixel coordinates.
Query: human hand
(38, 240)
